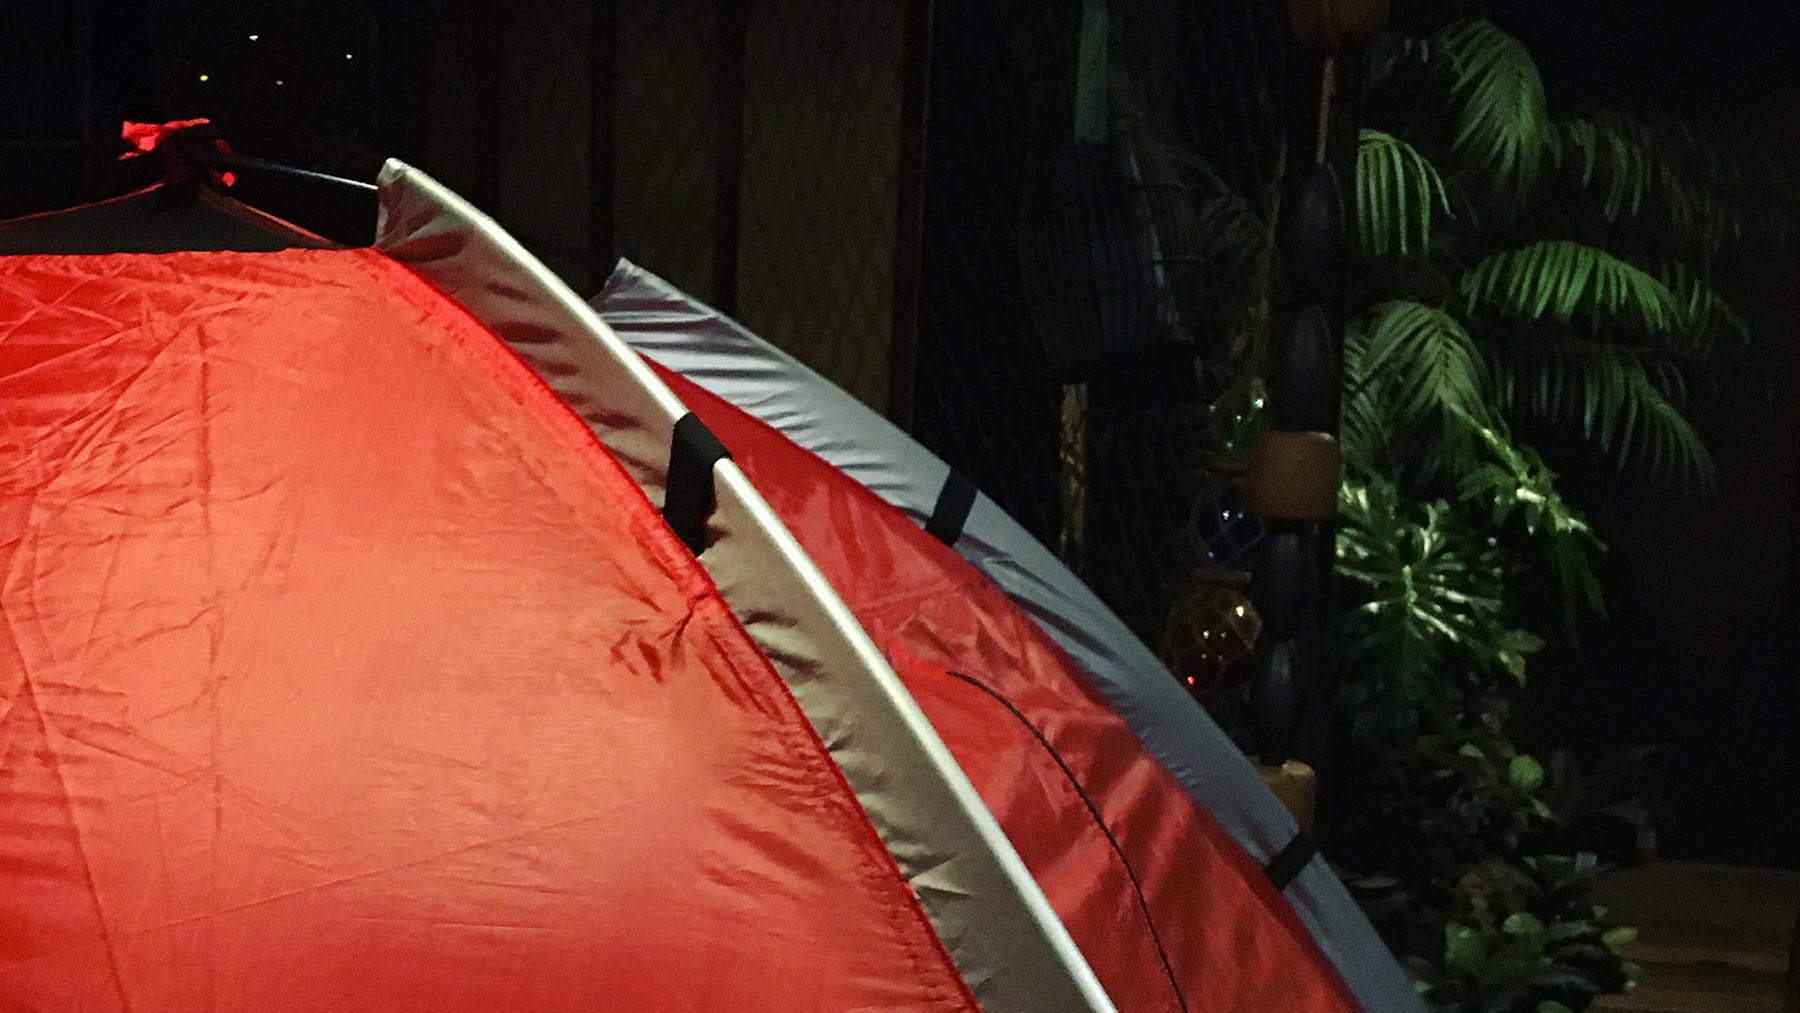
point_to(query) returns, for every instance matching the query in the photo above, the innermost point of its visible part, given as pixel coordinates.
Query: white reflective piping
(708, 348)
(934, 888)
(469, 258)
(996, 923)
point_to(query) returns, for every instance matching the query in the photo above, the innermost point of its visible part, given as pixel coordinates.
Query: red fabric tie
(145, 138)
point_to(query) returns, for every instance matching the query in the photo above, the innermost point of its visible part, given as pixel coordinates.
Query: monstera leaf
(1425, 608)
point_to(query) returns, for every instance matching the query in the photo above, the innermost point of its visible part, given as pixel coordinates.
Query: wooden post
(603, 87)
(1293, 478)
(734, 27)
(909, 218)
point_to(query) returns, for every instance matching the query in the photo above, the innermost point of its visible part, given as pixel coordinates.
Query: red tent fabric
(341, 667)
(1168, 910)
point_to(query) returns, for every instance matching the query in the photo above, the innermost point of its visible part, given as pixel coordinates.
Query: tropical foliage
(1538, 284)
(1529, 275)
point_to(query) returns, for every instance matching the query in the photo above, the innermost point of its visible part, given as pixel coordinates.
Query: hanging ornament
(1293, 476)
(1324, 27)
(1275, 703)
(1222, 530)
(1283, 583)
(1304, 374)
(1234, 419)
(1209, 641)
(1314, 236)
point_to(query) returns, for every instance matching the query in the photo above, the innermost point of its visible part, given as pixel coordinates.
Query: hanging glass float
(1222, 530)
(1235, 418)
(1209, 641)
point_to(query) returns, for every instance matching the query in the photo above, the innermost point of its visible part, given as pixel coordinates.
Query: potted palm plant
(1529, 274)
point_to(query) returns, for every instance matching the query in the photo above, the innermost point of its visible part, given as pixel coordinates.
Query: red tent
(1145, 880)
(378, 630)
(1153, 836)
(356, 655)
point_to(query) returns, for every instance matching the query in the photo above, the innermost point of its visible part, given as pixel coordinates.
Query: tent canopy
(347, 663)
(719, 356)
(380, 629)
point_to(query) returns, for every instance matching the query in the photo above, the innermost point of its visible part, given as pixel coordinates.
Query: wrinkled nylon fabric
(709, 348)
(997, 925)
(1232, 942)
(341, 668)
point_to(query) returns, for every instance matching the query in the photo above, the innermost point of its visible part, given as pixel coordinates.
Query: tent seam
(1093, 809)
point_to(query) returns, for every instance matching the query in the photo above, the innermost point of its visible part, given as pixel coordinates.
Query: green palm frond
(1622, 398)
(1397, 191)
(1363, 428)
(1611, 155)
(1699, 190)
(1712, 327)
(1387, 52)
(1205, 218)
(1423, 361)
(1558, 281)
(1374, 441)
(1503, 120)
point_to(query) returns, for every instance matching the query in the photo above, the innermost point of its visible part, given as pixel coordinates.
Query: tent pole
(285, 171)
(30, 146)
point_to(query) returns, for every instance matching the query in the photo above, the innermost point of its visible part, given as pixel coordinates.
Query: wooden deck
(1712, 939)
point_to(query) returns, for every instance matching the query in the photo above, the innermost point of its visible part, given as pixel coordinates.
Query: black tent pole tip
(278, 169)
(32, 146)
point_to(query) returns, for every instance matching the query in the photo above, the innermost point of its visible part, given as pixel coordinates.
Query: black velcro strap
(688, 499)
(954, 502)
(1287, 863)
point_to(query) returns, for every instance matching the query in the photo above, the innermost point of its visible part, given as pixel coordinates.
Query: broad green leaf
(1617, 939)
(1525, 773)
(1464, 948)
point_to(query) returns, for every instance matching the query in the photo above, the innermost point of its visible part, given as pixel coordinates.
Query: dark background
(1700, 653)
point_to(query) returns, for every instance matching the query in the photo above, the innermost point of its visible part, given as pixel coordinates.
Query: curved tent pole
(238, 162)
(995, 921)
(693, 339)
(32, 146)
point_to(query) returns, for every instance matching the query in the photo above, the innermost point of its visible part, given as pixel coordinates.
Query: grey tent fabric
(691, 338)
